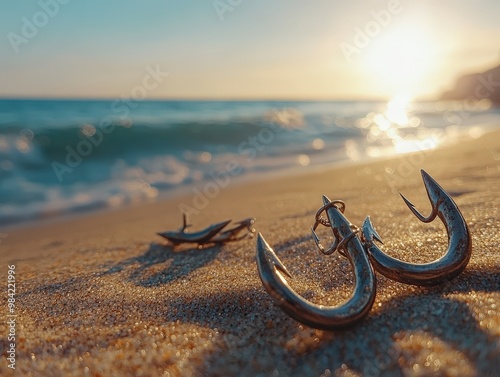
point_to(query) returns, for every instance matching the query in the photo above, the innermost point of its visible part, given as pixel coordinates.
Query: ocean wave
(104, 142)
(57, 157)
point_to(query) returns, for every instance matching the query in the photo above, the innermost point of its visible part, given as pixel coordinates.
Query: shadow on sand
(255, 326)
(177, 264)
(255, 336)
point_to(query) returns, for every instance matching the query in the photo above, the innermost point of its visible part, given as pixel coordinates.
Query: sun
(400, 58)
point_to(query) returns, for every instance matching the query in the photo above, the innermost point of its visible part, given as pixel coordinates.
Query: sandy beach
(103, 295)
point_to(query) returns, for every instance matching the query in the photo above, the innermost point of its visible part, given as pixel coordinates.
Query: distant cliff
(477, 86)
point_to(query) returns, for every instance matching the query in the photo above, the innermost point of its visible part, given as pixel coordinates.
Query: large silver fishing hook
(441, 270)
(272, 273)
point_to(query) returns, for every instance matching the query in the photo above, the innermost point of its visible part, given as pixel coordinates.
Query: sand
(103, 295)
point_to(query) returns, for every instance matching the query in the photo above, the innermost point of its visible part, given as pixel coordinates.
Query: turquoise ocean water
(65, 156)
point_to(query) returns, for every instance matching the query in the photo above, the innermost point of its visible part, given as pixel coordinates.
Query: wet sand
(103, 295)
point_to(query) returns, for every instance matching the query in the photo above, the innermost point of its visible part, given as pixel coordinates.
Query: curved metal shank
(441, 270)
(271, 272)
(201, 237)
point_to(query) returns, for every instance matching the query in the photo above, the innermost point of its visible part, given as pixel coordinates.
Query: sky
(244, 49)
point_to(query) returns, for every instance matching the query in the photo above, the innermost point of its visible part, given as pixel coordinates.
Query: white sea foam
(167, 145)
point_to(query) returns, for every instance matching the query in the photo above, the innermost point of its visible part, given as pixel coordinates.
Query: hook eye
(340, 205)
(317, 240)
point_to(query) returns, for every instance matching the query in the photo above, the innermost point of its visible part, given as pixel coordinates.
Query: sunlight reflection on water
(396, 130)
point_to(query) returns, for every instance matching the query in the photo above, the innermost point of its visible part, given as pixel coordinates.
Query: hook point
(408, 203)
(263, 246)
(326, 200)
(369, 232)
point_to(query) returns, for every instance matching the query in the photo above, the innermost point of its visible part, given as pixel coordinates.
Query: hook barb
(369, 232)
(436, 196)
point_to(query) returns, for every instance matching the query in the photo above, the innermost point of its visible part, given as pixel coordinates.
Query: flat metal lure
(447, 267)
(272, 273)
(201, 237)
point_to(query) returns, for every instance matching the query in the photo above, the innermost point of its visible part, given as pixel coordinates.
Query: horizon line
(212, 99)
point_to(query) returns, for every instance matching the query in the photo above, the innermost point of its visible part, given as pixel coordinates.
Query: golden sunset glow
(401, 58)
(332, 50)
